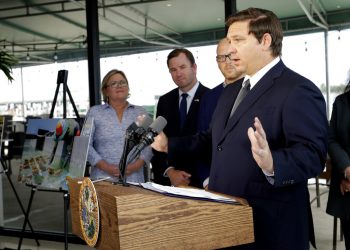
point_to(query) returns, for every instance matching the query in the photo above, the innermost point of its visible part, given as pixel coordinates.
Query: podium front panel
(135, 218)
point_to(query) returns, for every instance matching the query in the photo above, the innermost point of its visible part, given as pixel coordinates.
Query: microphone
(138, 128)
(135, 131)
(133, 135)
(148, 137)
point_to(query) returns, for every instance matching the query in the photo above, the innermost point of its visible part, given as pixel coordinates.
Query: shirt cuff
(166, 171)
(269, 177)
(206, 182)
(268, 174)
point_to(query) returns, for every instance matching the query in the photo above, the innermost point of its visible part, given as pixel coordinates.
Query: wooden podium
(135, 218)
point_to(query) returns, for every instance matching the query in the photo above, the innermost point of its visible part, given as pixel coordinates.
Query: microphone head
(158, 125)
(144, 121)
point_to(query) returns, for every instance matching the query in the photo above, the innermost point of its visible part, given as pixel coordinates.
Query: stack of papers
(187, 192)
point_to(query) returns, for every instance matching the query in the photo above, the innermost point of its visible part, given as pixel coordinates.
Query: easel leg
(73, 104)
(66, 204)
(318, 199)
(4, 166)
(335, 233)
(26, 219)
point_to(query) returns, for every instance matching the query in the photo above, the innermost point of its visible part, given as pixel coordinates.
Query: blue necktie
(183, 109)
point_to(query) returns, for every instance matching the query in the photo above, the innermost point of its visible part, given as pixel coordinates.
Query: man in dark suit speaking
(180, 108)
(268, 137)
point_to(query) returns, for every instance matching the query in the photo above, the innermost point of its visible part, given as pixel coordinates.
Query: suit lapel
(171, 111)
(265, 83)
(195, 102)
(225, 104)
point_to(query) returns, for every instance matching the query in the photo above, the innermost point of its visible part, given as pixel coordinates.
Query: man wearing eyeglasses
(180, 108)
(211, 97)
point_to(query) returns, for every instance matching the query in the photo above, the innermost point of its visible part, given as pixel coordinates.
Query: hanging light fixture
(84, 42)
(28, 57)
(55, 57)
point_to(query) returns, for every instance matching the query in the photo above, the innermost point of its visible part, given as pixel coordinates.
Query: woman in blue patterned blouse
(110, 123)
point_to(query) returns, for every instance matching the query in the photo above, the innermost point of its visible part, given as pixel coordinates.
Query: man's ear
(266, 41)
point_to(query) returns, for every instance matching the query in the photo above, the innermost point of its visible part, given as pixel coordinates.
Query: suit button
(219, 148)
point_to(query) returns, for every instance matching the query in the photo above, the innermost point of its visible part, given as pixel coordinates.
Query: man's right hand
(344, 186)
(178, 177)
(160, 143)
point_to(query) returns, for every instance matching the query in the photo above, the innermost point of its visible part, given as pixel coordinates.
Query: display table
(135, 218)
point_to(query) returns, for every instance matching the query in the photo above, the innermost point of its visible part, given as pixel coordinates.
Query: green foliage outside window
(7, 61)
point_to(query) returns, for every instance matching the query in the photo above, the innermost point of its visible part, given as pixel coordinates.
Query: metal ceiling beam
(131, 33)
(63, 10)
(150, 18)
(323, 24)
(140, 24)
(26, 8)
(146, 26)
(26, 30)
(337, 20)
(63, 18)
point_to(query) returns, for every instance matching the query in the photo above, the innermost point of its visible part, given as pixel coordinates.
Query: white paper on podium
(187, 192)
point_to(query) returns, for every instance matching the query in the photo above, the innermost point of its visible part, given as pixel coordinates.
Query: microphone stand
(122, 163)
(133, 135)
(129, 143)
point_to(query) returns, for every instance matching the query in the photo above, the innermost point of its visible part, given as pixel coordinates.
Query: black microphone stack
(148, 137)
(133, 135)
(136, 139)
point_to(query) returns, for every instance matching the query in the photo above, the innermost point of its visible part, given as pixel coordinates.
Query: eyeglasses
(118, 84)
(222, 58)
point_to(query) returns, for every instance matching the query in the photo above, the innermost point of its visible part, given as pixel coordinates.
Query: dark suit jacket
(339, 152)
(205, 113)
(207, 107)
(293, 113)
(168, 107)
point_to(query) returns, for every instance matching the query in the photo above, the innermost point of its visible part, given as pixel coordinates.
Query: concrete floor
(47, 215)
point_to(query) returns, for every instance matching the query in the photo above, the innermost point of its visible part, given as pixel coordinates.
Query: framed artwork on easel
(62, 153)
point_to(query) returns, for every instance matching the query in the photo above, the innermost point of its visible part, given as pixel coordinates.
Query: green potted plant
(7, 61)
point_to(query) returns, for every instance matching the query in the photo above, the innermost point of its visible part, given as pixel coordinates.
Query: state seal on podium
(89, 212)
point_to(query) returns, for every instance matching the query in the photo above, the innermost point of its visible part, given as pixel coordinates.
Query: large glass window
(34, 87)
(339, 65)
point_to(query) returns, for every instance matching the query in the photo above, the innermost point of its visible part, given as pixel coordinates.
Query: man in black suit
(338, 204)
(183, 70)
(210, 99)
(267, 146)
